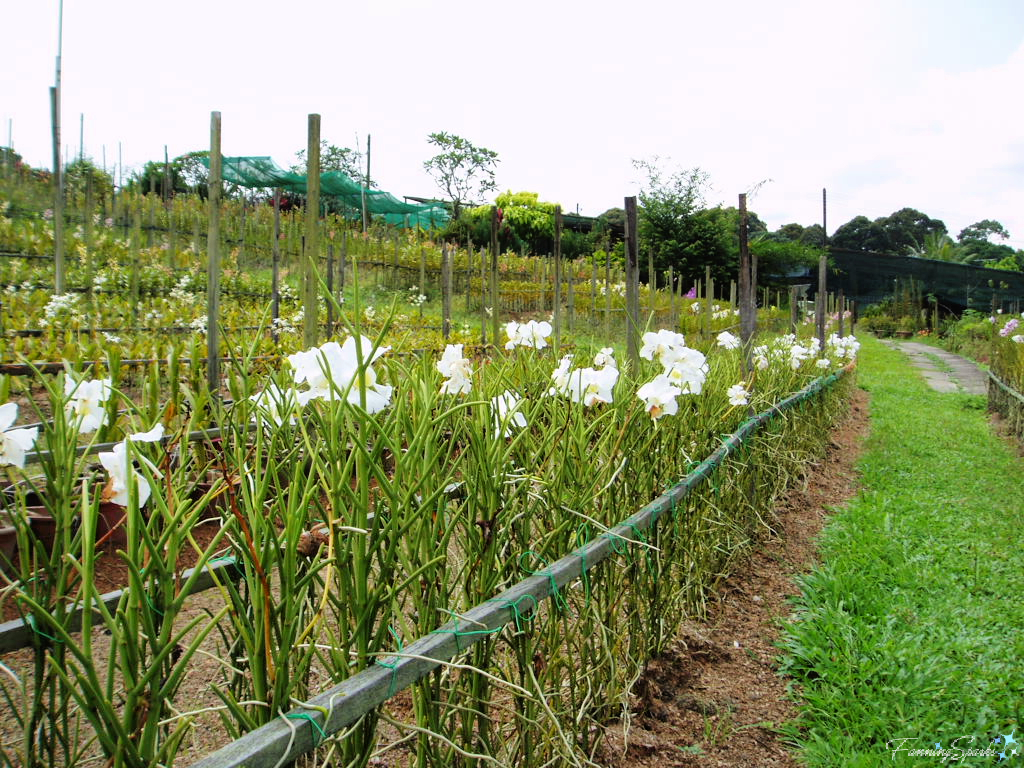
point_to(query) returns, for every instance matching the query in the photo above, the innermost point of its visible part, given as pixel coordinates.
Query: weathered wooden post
(275, 278)
(632, 285)
(311, 251)
(747, 288)
(495, 298)
(822, 267)
(59, 268)
(446, 292)
(709, 297)
(557, 300)
(213, 261)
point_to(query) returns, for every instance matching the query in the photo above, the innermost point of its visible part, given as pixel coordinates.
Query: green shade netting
(869, 278)
(257, 172)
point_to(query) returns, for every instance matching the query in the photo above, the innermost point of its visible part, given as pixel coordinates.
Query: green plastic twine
(556, 596)
(392, 665)
(315, 726)
(462, 633)
(517, 615)
(581, 552)
(30, 620)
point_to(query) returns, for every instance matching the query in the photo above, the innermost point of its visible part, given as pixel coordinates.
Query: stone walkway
(944, 371)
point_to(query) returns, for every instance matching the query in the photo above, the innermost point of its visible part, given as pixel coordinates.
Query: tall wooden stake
(312, 238)
(446, 292)
(557, 303)
(747, 290)
(495, 299)
(632, 285)
(819, 305)
(58, 190)
(213, 261)
(275, 278)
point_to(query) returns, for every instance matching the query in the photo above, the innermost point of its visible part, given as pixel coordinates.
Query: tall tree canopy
(462, 171)
(898, 232)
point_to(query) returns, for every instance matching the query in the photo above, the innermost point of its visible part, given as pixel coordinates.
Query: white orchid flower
(86, 402)
(14, 443)
(605, 358)
(728, 341)
(505, 408)
(738, 394)
(659, 397)
(276, 404)
(331, 369)
(457, 370)
(590, 386)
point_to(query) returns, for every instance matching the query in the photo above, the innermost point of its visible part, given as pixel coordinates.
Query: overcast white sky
(887, 103)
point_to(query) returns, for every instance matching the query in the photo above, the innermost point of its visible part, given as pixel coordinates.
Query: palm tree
(940, 246)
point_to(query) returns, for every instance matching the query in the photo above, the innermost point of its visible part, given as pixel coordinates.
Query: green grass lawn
(912, 627)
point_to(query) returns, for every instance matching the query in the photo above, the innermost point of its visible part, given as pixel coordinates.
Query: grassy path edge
(908, 635)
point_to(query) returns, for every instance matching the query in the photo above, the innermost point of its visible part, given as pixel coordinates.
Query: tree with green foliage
(187, 174)
(896, 233)
(983, 231)
(77, 175)
(462, 171)
(344, 159)
(673, 222)
(978, 237)
(941, 247)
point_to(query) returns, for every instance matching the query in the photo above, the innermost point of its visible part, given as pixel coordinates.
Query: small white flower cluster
(416, 298)
(617, 289)
(286, 293)
(283, 325)
(62, 305)
(685, 371)
(529, 334)
(842, 347)
(199, 324)
(727, 341)
(101, 281)
(182, 290)
(720, 313)
(457, 371)
(111, 338)
(369, 313)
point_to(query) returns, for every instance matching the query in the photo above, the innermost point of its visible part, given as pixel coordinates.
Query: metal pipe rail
(286, 738)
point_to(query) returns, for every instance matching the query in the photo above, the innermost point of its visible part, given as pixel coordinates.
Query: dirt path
(717, 699)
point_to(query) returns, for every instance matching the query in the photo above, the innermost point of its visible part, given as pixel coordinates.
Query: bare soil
(715, 699)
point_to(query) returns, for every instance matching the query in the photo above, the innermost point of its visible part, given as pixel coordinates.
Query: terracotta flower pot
(110, 525)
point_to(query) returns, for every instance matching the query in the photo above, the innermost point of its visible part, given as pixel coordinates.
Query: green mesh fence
(868, 278)
(262, 172)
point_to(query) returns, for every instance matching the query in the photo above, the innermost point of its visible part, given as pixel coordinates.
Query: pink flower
(1010, 327)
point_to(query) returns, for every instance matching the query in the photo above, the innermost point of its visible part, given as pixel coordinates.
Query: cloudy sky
(886, 103)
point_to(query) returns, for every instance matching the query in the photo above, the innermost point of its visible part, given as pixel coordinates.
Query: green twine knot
(556, 596)
(392, 665)
(315, 726)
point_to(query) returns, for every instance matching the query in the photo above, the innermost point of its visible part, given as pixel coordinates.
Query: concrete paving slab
(944, 371)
